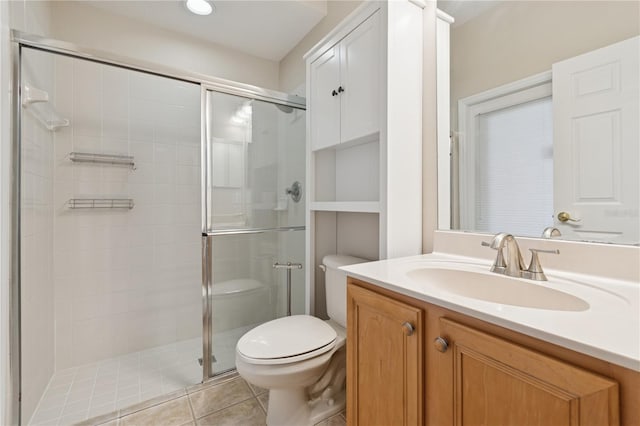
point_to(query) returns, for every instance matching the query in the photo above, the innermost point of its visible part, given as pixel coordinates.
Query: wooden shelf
(346, 206)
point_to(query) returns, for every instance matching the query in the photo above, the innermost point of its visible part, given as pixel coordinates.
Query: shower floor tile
(79, 393)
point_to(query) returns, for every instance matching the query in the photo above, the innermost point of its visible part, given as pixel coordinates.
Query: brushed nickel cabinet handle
(441, 344)
(408, 328)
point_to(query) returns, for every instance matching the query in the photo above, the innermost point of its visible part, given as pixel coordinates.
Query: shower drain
(213, 359)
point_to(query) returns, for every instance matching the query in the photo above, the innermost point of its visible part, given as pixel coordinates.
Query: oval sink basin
(498, 289)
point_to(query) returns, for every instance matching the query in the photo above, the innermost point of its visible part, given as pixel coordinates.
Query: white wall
(292, 66)
(98, 29)
(31, 16)
(126, 280)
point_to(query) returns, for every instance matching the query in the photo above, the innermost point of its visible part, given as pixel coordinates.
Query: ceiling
(267, 29)
(465, 10)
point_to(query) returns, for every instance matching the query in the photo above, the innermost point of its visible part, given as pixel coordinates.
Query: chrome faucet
(513, 264)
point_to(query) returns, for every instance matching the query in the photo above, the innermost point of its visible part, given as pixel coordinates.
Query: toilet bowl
(301, 359)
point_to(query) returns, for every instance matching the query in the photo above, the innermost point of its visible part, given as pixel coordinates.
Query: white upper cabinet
(325, 102)
(360, 62)
(345, 87)
(364, 138)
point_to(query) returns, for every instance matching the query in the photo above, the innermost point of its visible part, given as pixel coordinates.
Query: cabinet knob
(441, 344)
(334, 93)
(408, 328)
(340, 89)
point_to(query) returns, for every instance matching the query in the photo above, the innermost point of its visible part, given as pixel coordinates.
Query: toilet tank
(336, 285)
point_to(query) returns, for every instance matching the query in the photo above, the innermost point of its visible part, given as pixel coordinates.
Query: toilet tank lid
(334, 261)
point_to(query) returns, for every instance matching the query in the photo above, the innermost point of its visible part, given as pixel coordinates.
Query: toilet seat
(287, 340)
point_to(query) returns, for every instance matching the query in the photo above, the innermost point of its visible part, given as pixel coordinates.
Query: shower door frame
(208, 231)
(20, 40)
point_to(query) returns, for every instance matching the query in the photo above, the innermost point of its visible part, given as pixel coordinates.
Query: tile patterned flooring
(80, 393)
(228, 401)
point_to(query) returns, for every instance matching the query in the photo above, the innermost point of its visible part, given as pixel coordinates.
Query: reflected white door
(596, 137)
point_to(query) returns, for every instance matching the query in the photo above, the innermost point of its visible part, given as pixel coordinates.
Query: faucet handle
(499, 264)
(535, 269)
(555, 251)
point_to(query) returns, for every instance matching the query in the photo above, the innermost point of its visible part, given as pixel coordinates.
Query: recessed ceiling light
(200, 7)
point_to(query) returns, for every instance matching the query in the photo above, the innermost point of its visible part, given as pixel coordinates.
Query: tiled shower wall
(37, 311)
(125, 280)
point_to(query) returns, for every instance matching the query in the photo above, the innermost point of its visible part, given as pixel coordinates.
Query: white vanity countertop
(609, 329)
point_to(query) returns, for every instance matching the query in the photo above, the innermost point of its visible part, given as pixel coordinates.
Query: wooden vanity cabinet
(384, 358)
(490, 381)
(478, 374)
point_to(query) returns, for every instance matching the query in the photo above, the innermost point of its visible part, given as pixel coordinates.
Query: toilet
(301, 359)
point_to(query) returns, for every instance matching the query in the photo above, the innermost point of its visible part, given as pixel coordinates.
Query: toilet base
(322, 410)
(291, 407)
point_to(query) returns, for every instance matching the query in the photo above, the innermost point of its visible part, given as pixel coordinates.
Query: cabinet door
(494, 382)
(324, 108)
(360, 65)
(384, 360)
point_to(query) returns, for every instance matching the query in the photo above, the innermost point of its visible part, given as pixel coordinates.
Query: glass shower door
(255, 154)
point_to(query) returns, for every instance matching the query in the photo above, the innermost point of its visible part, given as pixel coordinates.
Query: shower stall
(152, 207)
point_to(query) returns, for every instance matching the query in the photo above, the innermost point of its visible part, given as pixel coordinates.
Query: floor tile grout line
(139, 379)
(67, 396)
(228, 406)
(35, 411)
(258, 394)
(93, 391)
(193, 413)
(262, 407)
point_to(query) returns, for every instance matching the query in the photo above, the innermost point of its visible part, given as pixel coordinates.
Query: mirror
(543, 118)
